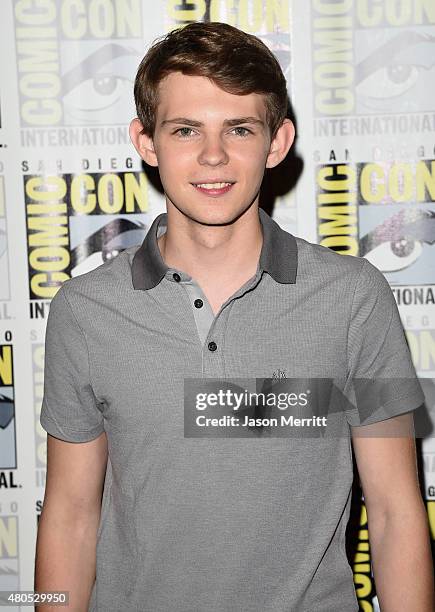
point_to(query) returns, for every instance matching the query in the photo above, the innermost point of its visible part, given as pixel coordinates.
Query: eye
(396, 255)
(182, 132)
(246, 131)
(96, 86)
(394, 68)
(398, 242)
(97, 93)
(390, 81)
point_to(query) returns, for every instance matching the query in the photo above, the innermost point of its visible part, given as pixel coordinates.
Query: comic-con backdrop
(73, 192)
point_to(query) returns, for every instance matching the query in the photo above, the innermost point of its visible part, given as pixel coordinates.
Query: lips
(214, 187)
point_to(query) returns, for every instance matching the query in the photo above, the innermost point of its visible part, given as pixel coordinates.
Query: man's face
(195, 144)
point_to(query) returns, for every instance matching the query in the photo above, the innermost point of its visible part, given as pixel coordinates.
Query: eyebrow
(226, 123)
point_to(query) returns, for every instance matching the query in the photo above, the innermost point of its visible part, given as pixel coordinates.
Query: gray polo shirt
(219, 524)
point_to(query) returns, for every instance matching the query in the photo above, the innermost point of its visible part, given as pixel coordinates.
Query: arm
(397, 518)
(66, 541)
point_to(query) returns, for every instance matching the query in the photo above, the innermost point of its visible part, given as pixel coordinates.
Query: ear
(280, 145)
(142, 143)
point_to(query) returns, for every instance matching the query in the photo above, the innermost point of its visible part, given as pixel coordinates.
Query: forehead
(182, 95)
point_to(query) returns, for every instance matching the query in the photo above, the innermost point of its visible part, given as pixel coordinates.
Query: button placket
(213, 359)
(201, 310)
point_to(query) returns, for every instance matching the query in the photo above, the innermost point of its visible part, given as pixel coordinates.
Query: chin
(215, 217)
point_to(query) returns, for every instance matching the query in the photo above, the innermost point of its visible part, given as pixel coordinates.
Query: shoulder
(317, 261)
(107, 281)
(91, 294)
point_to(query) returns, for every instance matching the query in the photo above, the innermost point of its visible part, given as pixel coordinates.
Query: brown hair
(235, 61)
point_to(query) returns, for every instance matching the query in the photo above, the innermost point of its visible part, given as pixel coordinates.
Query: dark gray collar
(279, 254)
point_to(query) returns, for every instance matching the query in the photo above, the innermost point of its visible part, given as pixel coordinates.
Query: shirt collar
(278, 257)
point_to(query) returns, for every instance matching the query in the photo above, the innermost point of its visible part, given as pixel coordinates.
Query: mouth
(215, 188)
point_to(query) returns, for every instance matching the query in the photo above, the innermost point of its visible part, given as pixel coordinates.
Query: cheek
(252, 157)
(180, 153)
(172, 163)
(252, 169)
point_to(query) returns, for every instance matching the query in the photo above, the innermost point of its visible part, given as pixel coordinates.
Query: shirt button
(176, 277)
(212, 346)
(198, 303)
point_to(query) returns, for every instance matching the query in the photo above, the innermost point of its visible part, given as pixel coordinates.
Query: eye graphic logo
(99, 88)
(76, 65)
(393, 78)
(8, 456)
(104, 243)
(401, 245)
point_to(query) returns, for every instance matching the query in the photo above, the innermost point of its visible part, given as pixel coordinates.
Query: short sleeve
(380, 364)
(70, 410)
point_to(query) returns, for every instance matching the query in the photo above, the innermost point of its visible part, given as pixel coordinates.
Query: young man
(218, 290)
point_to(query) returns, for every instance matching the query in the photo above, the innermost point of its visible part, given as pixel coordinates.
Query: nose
(213, 152)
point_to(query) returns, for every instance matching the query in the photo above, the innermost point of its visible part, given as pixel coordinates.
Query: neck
(213, 254)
